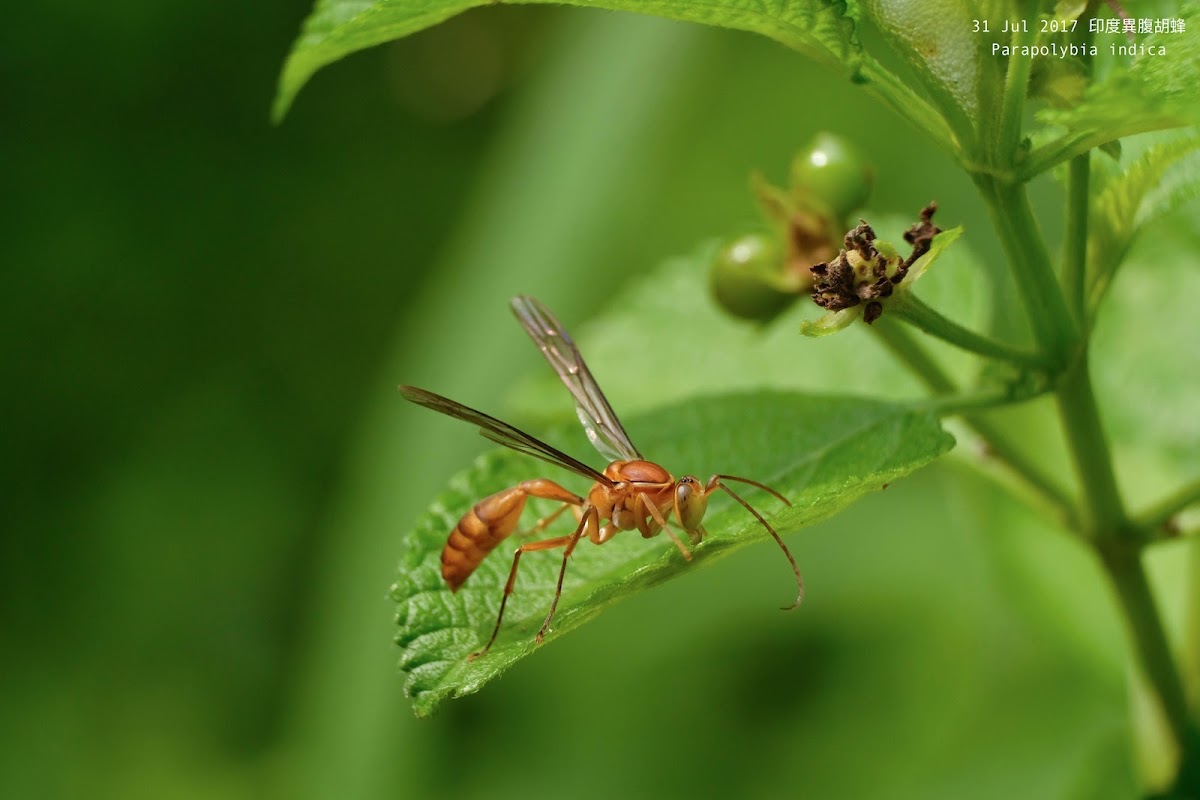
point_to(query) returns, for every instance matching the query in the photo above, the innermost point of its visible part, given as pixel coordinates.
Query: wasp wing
(595, 414)
(501, 432)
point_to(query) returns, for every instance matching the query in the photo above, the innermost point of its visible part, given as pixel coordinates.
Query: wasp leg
(589, 523)
(545, 544)
(660, 521)
(547, 520)
(715, 483)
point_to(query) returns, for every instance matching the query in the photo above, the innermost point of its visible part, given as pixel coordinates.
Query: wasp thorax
(642, 472)
(691, 501)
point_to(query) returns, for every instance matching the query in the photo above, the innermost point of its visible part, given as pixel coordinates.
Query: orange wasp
(632, 493)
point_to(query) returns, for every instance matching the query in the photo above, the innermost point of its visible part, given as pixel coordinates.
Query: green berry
(747, 278)
(830, 176)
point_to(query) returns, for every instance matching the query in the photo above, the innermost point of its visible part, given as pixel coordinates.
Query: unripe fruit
(830, 176)
(747, 278)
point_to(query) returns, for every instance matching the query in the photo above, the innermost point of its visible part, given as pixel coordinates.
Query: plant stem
(1125, 569)
(1052, 323)
(1074, 277)
(1007, 135)
(1104, 520)
(1024, 475)
(885, 86)
(1156, 518)
(1191, 641)
(914, 311)
(905, 346)
(1071, 145)
(1075, 238)
(961, 404)
(1103, 513)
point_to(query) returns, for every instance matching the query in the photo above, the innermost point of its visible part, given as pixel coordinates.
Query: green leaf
(937, 40)
(822, 452)
(831, 322)
(1139, 93)
(936, 248)
(820, 29)
(1130, 197)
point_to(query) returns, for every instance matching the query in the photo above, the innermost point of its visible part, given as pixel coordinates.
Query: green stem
(914, 311)
(1007, 135)
(1074, 277)
(1056, 322)
(1069, 146)
(961, 404)
(1025, 475)
(1052, 323)
(886, 87)
(1157, 518)
(1075, 238)
(905, 346)
(1128, 576)
(1187, 782)
(1046, 493)
(1104, 514)
(1104, 519)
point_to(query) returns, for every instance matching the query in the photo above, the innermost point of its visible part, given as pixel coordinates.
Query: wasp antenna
(762, 486)
(765, 524)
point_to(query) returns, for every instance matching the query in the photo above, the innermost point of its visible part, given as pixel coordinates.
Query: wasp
(631, 494)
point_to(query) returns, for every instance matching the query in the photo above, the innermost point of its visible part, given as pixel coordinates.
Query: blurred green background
(208, 473)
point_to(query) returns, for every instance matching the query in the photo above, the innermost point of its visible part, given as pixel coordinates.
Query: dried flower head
(868, 271)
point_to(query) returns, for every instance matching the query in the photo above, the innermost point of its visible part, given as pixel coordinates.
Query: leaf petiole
(1017, 472)
(1007, 135)
(896, 95)
(914, 311)
(964, 403)
(1156, 521)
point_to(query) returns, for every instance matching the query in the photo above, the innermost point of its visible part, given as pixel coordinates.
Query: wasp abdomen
(486, 525)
